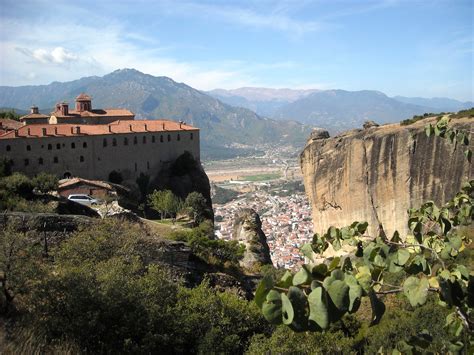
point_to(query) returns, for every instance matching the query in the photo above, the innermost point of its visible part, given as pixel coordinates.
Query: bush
(44, 182)
(18, 184)
(115, 177)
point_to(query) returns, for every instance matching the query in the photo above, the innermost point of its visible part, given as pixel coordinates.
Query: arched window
(135, 140)
(9, 148)
(84, 145)
(178, 138)
(73, 145)
(161, 139)
(28, 147)
(104, 142)
(144, 140)
(125, 141)
(169, 138)
(27, 162)
(50, 147)
(191, 136)
(114, 142)
(55, 160)
(58, 146)
(81, 158)
(153, 139)
(40, 161)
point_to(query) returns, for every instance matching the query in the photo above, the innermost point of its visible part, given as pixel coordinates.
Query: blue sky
(401, 47)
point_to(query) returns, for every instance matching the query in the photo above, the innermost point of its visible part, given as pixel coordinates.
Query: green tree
(45, 182)
(164, 202)
(196, 204)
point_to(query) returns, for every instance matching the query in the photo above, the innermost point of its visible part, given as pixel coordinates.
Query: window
(169, 138)
(27, 162)
(50, 147)
(148, 165)
(144, 140)
(135, 140)
(191, 136)
(178, 138)
(104, 143)
(81, 158)
(9, 148)
(55, 160)
(125, 141)
(136, 167)
(40, 161)
(73, 145)
(153, 139)
(114, 142)
(58, 146)
(84, 145)
(161, 139)
(28, 147)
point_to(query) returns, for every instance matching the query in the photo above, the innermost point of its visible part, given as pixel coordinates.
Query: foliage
(5, 167)
(443, 130)
(214, 251)
(319, 295)
(10, 114)
(18, 184)
(164, 202)
(183, 164)
(196, 205)
(44, 182)
(222, 196)
(464, 113)
(417, 118)
(115, 177)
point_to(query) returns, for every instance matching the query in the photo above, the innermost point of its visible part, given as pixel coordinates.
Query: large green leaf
(300, 309)
(303, 276)
(364, 277)
(318, 307)
(416, 290)
(402, 256)
(338, 291)
(355, 293)
(307, 251)
(286, 280)
(378, 308)
(286, 309)
(262, 290)
(272, 308)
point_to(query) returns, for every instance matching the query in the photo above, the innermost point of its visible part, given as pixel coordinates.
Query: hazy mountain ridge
(160, 97)
(335, 110)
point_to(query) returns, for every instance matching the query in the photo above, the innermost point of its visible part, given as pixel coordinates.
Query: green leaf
(338, 291)
(320, 270)
(303, 276)
(334, 263)
(287, 309)
(364, 277)
(318, 308)
(416, 290)
(262, 290)
(362, 227)
(307, 251)
(299, 303)
(378, 308)
(272, 308)
(355, 293)
(402, 256)
(286, 280)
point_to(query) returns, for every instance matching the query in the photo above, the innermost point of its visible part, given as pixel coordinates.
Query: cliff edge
(377, 173)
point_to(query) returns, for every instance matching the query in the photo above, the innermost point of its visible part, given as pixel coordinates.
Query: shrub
(44, 182)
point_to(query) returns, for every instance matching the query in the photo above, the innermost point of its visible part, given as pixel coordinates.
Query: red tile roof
(69, 130)
(69, 182)
(7, 124)
(34, 116)
(96, 113)
(83, 97)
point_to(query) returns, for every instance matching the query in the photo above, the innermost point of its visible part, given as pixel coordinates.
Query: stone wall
(376, 174)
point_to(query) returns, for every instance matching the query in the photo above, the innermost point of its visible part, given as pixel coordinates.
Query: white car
(83, 199)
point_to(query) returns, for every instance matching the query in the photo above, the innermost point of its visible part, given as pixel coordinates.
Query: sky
(400, 47)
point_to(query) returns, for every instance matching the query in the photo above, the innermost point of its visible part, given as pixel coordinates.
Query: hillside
(223, 127)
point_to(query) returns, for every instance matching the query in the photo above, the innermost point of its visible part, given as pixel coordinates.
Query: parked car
(83, 199)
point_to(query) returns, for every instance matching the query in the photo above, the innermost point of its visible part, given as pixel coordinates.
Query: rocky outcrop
(376, 174)
(248, 231)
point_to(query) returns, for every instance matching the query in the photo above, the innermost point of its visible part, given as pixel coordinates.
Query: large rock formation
(248, 231)
(376, 174)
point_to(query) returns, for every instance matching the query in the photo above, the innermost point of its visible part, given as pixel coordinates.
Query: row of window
(26, 162)
(105, 142)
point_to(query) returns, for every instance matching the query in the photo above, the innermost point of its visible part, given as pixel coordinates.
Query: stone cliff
(376, 174)
(248, 231)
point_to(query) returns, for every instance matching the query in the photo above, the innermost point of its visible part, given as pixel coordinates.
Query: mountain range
(225, 130)
(335, 110)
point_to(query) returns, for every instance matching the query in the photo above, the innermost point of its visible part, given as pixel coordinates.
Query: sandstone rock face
(248, 231)
(376, 174)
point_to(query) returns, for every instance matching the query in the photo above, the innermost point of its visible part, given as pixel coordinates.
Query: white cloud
(58, 55)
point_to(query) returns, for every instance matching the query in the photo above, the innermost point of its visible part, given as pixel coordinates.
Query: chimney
(16, 133)
(146, 128)
(163, 126)
(131, 129)
(44, 132)
(29, 131)
(55, 131)
(78, 129)
(34, 110)
(64, 109)
(58, 107)
(110, 128)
